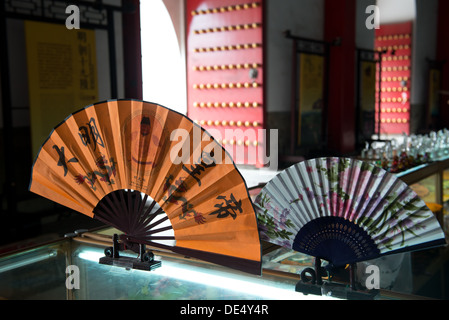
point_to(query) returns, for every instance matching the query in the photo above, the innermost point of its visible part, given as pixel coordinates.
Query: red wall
(395, 98)
(224, 41)
(340, 23)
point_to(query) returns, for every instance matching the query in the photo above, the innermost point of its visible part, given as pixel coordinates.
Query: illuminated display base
(130, 263)
(144, 262)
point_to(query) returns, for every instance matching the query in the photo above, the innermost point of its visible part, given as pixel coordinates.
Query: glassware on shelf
(412, 150)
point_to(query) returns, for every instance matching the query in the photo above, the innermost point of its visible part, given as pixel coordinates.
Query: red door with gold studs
(225, 73)
(395, 41)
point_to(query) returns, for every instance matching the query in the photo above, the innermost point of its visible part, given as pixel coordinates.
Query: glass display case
(37, 273)
(188, 280)
(430, 267)
(70, 269)
(431, 183)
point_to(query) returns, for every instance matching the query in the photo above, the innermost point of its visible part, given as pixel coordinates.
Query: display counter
(431, 183)
(42, 273)
(47, 272)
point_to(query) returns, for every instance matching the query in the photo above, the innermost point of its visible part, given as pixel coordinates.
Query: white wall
(176, 9)
(163, 53)
(304, 18)
(395, 11)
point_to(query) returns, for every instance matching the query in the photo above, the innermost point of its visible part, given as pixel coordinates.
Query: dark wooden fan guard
(126, 210)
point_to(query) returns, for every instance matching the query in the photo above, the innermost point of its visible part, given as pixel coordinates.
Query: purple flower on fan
(268, 205)
(263, 228)
(393, 222)
(283, 217)
(309, 194)
(391, 233)
(408, 223)
(309, 169)
(420, 226)
(300, 198)
(333, 162)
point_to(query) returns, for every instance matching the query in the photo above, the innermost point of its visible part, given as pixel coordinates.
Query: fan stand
(312, 283)
(112, 257)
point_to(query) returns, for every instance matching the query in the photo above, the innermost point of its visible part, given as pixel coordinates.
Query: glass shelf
(175, 280)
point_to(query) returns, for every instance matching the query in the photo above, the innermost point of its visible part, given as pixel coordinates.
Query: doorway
(163, 63)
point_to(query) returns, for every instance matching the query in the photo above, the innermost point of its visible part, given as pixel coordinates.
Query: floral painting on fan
(344, 211)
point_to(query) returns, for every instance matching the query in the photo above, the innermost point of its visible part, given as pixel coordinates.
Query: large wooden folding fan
(154, 175)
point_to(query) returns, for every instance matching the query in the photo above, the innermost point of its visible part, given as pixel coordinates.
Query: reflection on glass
(179, 280)
(425, 189)
(34, 274)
